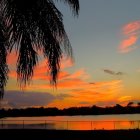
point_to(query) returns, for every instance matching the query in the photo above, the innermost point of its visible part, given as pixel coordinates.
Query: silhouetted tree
(94, 110)
(118, 105)
(138, 103)
(130, 104)
(29, 26)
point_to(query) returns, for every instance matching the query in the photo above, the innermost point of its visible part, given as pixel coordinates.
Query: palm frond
(36, 25)
(53, 52)
(54, 38)
(27, 60)
(43, 23)
(3, 63)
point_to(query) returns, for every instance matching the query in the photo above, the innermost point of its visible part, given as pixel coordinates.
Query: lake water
(87, 122)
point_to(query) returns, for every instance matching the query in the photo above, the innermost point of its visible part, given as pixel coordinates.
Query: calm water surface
(87, 122)
(122, 117)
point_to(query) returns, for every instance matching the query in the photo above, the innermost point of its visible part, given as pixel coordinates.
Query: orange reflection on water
(101, 125)
(71, 122)
(107, 125)
(74, 125)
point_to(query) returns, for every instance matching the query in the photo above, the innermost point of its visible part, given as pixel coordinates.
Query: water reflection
(99, 122)
(69, 125)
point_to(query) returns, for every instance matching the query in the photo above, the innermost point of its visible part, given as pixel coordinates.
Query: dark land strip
(37, 134)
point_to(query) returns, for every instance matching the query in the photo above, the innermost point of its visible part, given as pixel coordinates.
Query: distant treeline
(94, 110)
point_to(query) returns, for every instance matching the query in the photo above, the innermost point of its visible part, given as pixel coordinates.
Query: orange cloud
(131, 33)
(41, 74)
(81, 91)
(125, 98)
(131, 28)
(70, 84)
(127, 44)
(81, 73)
(66, 63)
(41, 71)
(66, 85)
(65, 81)
(101, 89)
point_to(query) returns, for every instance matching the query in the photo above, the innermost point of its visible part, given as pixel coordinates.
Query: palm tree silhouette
(30, 26)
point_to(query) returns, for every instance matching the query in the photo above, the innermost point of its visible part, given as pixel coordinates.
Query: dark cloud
(112, 72)
(19, 99)
(106, 103)
(84, 102)
(119, 73)
(62, 96)
(92, 83)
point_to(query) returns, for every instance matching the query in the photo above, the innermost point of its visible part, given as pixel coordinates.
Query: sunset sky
(106, 67)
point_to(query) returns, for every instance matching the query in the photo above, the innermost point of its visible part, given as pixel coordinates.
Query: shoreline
(42, 134)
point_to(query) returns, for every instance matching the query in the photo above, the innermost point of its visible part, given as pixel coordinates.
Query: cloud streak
(111, 72)
(130, 33)
(128, 44)
(125, 98)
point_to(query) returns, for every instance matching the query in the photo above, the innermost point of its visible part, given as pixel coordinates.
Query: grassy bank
(27, 134)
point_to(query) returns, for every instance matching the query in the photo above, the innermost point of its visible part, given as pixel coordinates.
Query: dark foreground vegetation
(35, 134)
(94, 110)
